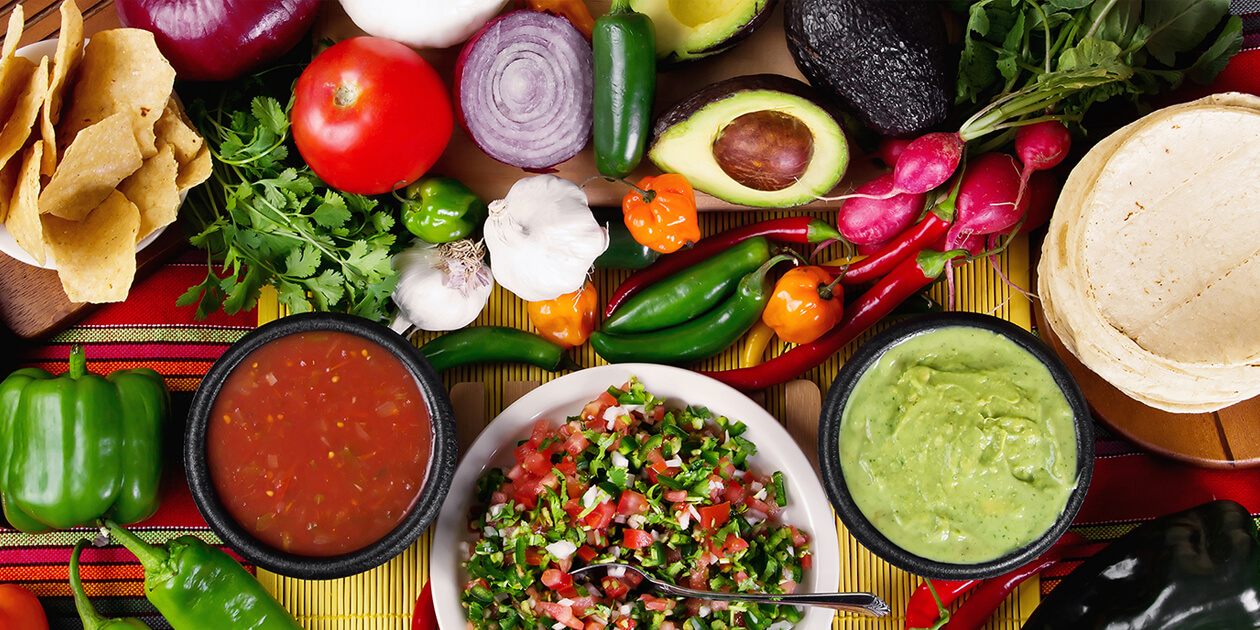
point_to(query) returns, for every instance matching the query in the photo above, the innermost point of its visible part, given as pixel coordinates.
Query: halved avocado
(691, 29)
(757, 140)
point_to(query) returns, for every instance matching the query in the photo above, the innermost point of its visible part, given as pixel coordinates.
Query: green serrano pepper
(690, 292)
(624, 44)
(92, 620)
(623, 251)
(495, 344)
(197, 586)
(701, 337)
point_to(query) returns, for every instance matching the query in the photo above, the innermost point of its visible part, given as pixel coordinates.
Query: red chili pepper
(923, 234)
(974, 612)
(922, 610)
(907, 278)
(425, 617)
(799, 230)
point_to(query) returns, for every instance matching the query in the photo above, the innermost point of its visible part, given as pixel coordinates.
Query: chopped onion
(524, 85)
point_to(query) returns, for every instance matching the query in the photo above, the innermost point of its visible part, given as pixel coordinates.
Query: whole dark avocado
(887, 62)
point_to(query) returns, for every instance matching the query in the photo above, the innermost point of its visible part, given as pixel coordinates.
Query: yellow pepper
(806, 303)
(755, 344)
(567, 320)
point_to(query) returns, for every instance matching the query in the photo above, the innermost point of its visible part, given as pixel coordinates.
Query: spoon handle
(862, 603)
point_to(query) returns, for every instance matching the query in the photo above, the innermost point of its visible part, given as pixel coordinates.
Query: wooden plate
(1225, 439)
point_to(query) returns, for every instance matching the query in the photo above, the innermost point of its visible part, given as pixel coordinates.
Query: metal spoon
(862, 603)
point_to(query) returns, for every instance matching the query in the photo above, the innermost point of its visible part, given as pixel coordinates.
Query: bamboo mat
(383, 599)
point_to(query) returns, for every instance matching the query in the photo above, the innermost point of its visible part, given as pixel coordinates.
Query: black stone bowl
(838, 490)
(436, 484)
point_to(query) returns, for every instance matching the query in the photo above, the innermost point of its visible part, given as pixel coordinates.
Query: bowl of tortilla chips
(96, 154)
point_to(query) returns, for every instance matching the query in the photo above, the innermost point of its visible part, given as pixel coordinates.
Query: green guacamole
(958, 446)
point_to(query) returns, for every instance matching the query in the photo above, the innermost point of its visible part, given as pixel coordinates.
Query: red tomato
(714, 516)
(370, 115)
(636, 538)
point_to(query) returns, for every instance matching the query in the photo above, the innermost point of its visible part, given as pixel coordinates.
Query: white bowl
(807, 508)
(34, 52)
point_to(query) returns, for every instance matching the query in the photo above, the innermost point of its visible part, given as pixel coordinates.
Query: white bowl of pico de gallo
(646, 464)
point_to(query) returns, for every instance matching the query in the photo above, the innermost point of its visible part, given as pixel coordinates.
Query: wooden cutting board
(1224, 439)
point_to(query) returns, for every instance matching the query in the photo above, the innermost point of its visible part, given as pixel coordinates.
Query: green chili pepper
(624, 44)
(623, 251)
(197, 586)
(495, 344)
(690, 292)
(79, 446)
(92, 620)
(699, 338)
(442, 209)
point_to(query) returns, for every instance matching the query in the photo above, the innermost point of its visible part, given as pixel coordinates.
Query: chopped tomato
(714, 516)
(563, 614)
(635, 538)
(601, 516)
(658, 413)
(567, 468)
(625, 623)
(535, 556)
(798, 538)
(632, 502)
(656, 603)
(675, 496)
(614, 588)
(576, 444)
(734, 544)
(536, 463)
(540, 433)
(807, 560)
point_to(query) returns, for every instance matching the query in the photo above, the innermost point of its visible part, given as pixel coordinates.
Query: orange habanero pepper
(567, 320)
(807, 302)
(20, 609)
(661, 213)
(575, 11)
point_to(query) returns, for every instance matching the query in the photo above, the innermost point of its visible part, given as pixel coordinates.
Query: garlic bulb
(441, 287)
(543, 238)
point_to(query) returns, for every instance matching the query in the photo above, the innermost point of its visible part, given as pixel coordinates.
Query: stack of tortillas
(1150, 272)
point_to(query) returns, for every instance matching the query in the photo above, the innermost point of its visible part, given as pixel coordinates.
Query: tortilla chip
(17, 22)
(122, 71)
(23, 221)
(196, 171)
(153, 190)
(18, 127)
(65, 62)
(174, 128)
(100, 157)
(8, 182)
(96, 257)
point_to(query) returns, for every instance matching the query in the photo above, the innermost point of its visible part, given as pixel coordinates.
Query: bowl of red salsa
(320, 445)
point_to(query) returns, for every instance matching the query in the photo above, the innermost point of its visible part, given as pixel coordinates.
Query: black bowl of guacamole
(956, 446)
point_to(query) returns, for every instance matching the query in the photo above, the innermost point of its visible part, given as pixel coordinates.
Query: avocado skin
(886, 61)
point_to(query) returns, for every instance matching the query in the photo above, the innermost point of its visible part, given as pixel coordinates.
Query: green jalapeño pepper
(442, 209)
(91, 619)
(1194, 570)
(624, 44)
(701, 337)
(197, 586)
(690, 292)
(79, 446)
(495, 344)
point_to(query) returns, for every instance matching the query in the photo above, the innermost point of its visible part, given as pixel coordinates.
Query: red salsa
(319, 443)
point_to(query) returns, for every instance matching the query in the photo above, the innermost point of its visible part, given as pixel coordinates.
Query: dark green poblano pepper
(196, 586)
(91, 619)
(1193, 570)
(442, 209)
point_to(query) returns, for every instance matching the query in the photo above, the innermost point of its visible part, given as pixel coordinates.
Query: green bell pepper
(197, 586)
(79, 446)
(92, 620)
(442, 209)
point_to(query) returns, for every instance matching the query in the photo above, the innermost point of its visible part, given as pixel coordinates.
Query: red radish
(870, 218)
(890, 150)
(1043, 193)
(1041, 146)
(987, 197)
(928, 161)
(867, 250)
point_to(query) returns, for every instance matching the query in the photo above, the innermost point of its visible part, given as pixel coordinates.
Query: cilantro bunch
(1033, 57)
(265, 219)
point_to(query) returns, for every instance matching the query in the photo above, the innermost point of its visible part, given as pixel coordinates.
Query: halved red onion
(524, 84)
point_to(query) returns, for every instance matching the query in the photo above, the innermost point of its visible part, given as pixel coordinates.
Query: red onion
(216, 40)
(524, 84)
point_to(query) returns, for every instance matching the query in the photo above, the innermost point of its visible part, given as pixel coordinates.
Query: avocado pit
(764, 150)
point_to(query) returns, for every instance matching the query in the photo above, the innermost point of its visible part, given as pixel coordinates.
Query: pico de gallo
(631, 479)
